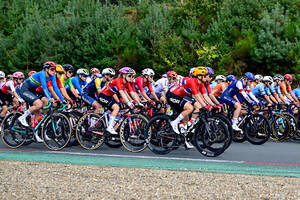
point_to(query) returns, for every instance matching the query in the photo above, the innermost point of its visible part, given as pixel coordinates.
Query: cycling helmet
(249, 76)
(278, 77)
(95, 70)
(179, 77)
(83, 72)
(59, 68)
(210, 71)
(231, 78)
(18, 75)
(220, 77)
(288, 77)
(200, 71)
(268, 79)
(192, 70)
(68, 67)
(258, 77)
(126, 70)
(31, 73)
(109, 71)
(48, 64)
(172, 74)
(2, 74)
(164, 76)
(148, 72)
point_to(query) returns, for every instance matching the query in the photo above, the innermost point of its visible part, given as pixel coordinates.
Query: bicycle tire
(86, 135)
(8, 125)
(280, 128)
(160, 142)
(257, 129)
(62, 134)
(133, 142)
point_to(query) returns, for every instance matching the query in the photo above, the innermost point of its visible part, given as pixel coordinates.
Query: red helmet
(18, 75)
(288, 77)
(31, 73)
(172, 74)
(49, 64)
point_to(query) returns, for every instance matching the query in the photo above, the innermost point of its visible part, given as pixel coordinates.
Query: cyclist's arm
(53, 93)
(44, 85)
(56, 90)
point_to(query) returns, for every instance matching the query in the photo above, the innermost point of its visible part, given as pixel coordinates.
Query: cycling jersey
(188, 87)
(94, 86)
(297, 93)
(259, 90)
(272, 89)
(213, 84)
(49, 84)
(140, 85)
(219, 89)
(78, 83)
(66, 81)
(39, 78)
(163, 84)
(9, 87)
(115, 86)
(285, 88)
(205, 88)
(252, 85)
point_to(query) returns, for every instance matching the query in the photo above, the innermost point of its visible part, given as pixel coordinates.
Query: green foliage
(233, 36)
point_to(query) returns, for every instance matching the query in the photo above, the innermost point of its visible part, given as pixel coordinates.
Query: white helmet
(278, 77)
(2, 74)
(148, 72)
(191, 71)
(268, 79)
(179, 77)
(109, 71)
(83, 72)
(258, 77)
(220, 77)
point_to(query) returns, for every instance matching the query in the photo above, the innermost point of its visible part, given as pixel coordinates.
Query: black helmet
(68, 67)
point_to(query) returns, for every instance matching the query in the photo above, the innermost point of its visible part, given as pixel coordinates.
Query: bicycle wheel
(160, 137)
(211, 137)
(228, 125)
(280, 126)
(132, 133)
(257, 129)
(293, 125)
(73, 118)
(56, 131)
(90, 137)
(13, 133)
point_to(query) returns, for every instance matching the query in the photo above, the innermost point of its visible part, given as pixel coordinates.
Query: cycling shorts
(5, 99)
(29, 95)
(88, 99)
(228, 100)
(106, 101)
(177, 102)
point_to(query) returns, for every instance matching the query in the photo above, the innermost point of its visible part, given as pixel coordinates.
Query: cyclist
(143, 84)
(262, 92)
(66, 80)
(234, 94)
(2, 78)
(78, 82)
(29, 94)
(275, 88)
(286, 89)
(221, 86)
(188, 87)
(164, 84)
(258, 79)
(218, 80)
(108, 75)
(94, 73)
(206, 91)
(8, 93)
(117, 86)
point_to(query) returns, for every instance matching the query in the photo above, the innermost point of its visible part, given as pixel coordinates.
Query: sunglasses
(173, 78)
(210, 76)
(70, 71)
(60, 73)
(130, 76)
(151, 76)
(84, 76)
(52, 69)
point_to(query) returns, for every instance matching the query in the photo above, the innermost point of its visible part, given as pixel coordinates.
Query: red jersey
(9, 87)
(187, 87)
(140, 84)
(115, 86)
(205, 88)
(49, 84)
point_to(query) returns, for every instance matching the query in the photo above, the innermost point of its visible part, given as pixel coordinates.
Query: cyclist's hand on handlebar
(51, 100)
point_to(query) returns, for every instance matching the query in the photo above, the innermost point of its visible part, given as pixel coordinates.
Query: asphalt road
(277, 153)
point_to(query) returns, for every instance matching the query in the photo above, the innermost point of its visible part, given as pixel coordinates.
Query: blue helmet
(210, 71)
(231, 78)
(249, 76)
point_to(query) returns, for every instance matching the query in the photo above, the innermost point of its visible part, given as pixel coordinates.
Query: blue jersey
(94, 86)
(234, 88)
(78, 84)
(297, 93)
(40, 78)
(259, 90)
(272, 89)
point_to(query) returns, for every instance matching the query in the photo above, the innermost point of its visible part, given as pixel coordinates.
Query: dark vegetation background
(232, 36)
